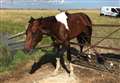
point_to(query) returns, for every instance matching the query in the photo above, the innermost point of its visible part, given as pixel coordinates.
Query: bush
(8, 60)
(4, 55)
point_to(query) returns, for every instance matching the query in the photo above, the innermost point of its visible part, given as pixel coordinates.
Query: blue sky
(68, 4)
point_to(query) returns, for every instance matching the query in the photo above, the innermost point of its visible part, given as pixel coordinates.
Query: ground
(45, 75)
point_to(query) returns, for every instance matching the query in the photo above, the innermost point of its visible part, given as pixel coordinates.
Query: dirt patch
(45, 75)
(94, 76)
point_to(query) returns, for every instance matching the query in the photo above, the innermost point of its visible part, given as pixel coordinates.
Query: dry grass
(14, 21)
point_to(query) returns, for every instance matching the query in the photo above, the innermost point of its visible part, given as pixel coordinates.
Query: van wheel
(101, 14)
(118, 16)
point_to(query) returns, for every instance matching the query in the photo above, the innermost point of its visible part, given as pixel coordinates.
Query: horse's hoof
(55, 73)
(71, 74)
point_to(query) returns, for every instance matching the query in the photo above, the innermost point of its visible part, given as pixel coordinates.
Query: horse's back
(82, 17)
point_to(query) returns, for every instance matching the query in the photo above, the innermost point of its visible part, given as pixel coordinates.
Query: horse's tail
(89, 35)
(85, 36)
(89, 20)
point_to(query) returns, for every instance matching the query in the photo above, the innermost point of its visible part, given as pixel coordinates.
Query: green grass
(9, 61)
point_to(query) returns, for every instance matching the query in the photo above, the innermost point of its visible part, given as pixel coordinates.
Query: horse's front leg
(70, 60)
(60, 59)
(57, 49)
(57, 65)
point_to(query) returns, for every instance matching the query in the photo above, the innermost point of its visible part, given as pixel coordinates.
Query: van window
(113, 10)
(107, 9)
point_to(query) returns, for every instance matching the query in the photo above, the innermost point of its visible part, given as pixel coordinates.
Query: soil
(45, 75)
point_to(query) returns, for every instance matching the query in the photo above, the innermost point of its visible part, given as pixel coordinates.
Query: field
(14, 21)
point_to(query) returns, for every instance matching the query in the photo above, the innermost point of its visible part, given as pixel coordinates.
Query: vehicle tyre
(101, 14)
(118, 15)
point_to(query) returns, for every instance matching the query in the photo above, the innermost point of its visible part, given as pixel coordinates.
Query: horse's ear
(31, 19)
(41, 17)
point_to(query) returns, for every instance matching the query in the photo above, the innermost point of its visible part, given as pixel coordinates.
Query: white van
(110, 11)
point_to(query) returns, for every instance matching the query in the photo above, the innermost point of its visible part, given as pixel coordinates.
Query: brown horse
(80, 27)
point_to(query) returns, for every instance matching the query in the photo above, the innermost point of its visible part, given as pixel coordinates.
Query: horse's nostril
(26, 50)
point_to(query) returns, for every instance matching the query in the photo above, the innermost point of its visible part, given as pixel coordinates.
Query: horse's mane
(50, 19)
(46, 20)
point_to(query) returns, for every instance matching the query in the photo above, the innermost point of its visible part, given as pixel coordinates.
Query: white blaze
(62, 18)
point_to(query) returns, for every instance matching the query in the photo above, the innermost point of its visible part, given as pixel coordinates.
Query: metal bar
(106, 38)
(92, 46)
(18, 42)
(110, 48)
(116, 49)
(16, 35)
(105, 25)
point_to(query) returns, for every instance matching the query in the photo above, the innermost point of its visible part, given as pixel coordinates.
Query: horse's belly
(73, 35)
(75, 31)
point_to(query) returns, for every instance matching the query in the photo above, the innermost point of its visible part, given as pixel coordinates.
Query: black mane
(49, 19)
(46, 20)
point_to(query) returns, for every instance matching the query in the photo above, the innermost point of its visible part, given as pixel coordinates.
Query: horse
(80, 27)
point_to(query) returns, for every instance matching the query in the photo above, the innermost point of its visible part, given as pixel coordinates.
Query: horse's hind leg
(82, 39)
(81, 42)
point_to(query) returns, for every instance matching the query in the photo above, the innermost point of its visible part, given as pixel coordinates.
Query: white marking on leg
(57, 65)
(71, 70)
(111, 64)
(89, 56)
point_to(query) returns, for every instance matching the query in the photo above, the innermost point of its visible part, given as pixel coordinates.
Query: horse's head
(33, 34)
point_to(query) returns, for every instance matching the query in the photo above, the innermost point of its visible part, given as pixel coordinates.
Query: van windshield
(118, 9)
(113, 10)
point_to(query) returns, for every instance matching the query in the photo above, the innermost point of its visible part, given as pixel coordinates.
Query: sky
(55, 4)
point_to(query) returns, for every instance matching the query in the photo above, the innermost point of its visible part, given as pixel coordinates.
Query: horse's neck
(49, 23)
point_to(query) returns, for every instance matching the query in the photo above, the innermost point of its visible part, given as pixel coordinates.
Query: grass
(105, 31)
(14, 21)
(8, 61)
(97, 19)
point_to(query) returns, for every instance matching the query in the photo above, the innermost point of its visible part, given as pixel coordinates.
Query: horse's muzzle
(28, 51)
